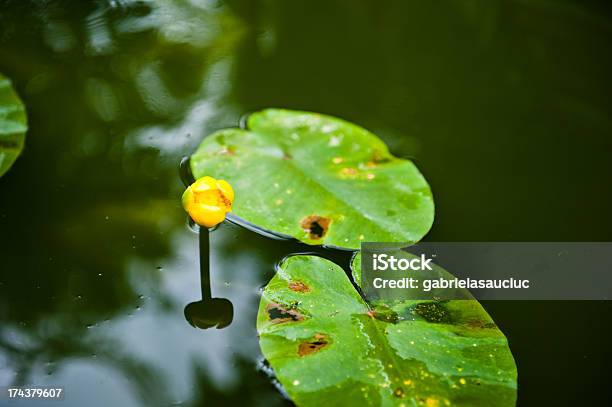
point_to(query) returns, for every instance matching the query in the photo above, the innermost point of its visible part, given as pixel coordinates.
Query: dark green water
(506, 107)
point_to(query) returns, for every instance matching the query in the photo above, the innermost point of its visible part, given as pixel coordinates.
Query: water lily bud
(208, 201)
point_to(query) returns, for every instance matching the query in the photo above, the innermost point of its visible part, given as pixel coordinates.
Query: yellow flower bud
(208, 201)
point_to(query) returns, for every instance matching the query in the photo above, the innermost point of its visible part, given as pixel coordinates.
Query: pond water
(504, 105)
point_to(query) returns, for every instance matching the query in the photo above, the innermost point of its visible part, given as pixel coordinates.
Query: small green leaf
(13, 125)
(319, 179)
(328, 347)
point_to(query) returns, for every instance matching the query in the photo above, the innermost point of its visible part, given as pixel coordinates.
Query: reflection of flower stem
(205, 263)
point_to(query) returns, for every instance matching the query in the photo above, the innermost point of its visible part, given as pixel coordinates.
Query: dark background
(505, 106)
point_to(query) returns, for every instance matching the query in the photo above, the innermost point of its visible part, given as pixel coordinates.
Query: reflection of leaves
(77, 278)
(250, 389)
(319, 179)
(12, 125)
(86, 202)
(49, 345)
(80, 267)
(161, 54)
(326, 344)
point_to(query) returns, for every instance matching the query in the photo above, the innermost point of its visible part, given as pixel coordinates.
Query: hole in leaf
(316, 226)
(299, 286)
(307, 348)
(279, 313)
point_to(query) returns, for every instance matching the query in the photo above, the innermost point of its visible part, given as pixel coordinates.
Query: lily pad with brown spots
(319, 179)
(13, 125)
(327, 346)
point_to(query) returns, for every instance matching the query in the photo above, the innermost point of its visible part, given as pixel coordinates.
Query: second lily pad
(13, 125)
(329, 346)
(319, 179)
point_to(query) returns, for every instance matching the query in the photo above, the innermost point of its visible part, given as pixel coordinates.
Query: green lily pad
(13, 125)
(328, 346)
(319, 179)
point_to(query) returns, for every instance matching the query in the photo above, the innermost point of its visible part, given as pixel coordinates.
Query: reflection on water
(98, 263)
(148, 354)
(209, 311)
(504, 105)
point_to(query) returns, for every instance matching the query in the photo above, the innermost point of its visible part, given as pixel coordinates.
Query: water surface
(504, 105)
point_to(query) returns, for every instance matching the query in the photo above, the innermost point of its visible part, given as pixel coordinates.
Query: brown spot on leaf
(287, 156)
(227, 150)
(399, 393)
(9, 144)
(279, 313)
(384, 314)
(319, 342)
(379, 158)
(316, 226)
(479, 324)
(299, 286)
(348, 172)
